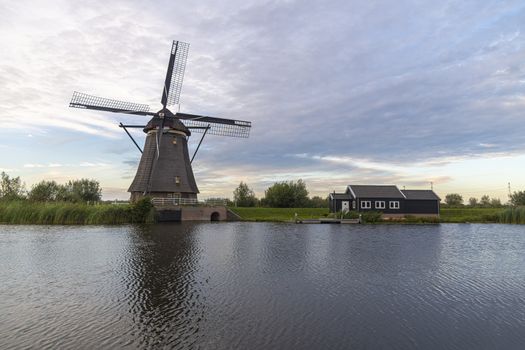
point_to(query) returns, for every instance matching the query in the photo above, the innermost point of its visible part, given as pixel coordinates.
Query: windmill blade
(175, 73)
(217, 126)
(85, 101)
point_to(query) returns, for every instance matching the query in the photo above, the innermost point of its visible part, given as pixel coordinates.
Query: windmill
(165, 168)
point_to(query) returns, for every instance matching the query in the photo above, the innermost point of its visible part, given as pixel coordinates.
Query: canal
(263, 286)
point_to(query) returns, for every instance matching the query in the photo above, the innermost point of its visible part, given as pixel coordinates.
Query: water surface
(263, 286)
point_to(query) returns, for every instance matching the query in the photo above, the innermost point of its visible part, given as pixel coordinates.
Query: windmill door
(345, 206)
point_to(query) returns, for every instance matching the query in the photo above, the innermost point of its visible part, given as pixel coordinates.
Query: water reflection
(164, 295)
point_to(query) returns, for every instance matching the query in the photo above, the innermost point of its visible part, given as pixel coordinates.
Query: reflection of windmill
(165, 166)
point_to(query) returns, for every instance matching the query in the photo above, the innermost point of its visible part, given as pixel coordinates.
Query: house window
(394, 204)
(353, 204)
(380, 204)
(366, 204)
(177, 180)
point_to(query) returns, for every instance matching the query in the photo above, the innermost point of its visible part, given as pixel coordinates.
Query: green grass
(25, 212)
(278, 214)
(470, 214)
(453, 215)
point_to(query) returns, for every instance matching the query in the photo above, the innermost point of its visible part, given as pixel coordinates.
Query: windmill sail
(216, 126)
(81, 100)
(175, 73)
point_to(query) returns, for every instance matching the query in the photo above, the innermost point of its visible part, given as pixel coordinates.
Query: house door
(345, 206)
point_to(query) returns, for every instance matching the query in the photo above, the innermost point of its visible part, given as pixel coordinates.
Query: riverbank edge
(31, 213)
(448, 215)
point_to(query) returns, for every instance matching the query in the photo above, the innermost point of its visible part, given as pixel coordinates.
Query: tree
(495, 202)
(45, 191)
(473, 201)
(243, 196)
(485, 201)
(287, 195)
(454, 199)
(11, 188)
(517, 198)
(83, 190)
(318, 202)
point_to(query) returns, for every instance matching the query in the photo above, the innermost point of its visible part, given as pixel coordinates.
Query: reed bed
(513, 215)
(62, 213)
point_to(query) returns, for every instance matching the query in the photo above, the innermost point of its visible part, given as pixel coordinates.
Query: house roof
(421, 194)
(340, 196)
(375, 191)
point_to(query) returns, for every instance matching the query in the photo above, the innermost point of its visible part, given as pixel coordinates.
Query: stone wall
(204, 214)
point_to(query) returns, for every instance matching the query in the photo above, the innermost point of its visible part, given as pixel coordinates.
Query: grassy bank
(61, 213)
(278, 214)
(470, 214)
(453, 215)
(26, 212)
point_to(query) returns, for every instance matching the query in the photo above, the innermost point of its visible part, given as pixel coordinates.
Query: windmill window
(174, 141)
(177, 180)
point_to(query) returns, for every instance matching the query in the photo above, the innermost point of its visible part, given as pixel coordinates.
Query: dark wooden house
(387, 199)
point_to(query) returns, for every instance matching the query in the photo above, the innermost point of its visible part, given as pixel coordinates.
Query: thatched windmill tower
(165, 169)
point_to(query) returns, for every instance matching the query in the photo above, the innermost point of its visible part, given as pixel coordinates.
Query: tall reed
(513, 215)
(62, 213)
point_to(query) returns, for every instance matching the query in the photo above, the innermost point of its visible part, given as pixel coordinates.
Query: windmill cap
(170, 121)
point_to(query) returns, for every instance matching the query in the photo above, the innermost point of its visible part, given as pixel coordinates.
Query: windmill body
(170, 175)
(165, 168)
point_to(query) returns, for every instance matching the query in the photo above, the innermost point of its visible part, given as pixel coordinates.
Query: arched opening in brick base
(215, 216)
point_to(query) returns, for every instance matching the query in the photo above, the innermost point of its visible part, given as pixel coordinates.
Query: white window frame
(380, 205)
(365, 204)
(353, 204)
(393, 205)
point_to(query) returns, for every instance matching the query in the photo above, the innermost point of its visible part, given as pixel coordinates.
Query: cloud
(58, 165)
(367, 87)
(89, 164)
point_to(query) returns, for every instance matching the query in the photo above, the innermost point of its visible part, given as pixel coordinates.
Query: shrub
(142, 211)
(351, 215)
(371, 216)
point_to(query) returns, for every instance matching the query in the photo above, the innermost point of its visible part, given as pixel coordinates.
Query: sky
(338, 92)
